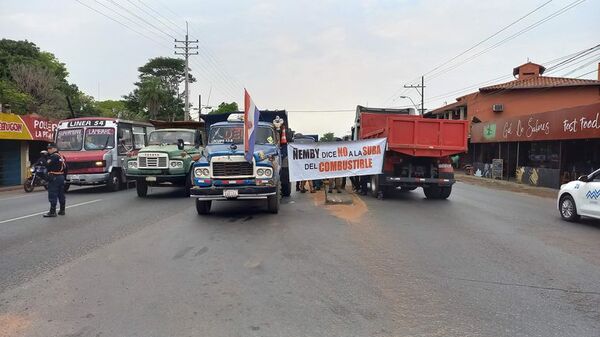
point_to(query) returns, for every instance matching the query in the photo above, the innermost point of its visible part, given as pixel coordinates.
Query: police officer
(56, 181)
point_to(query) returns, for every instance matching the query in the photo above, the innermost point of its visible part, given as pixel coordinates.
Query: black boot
(51, 213)
(61, 211)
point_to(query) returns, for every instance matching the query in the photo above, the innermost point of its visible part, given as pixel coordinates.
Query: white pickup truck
(580, 198)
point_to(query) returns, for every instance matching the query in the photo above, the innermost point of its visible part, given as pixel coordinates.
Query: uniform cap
(51, 145)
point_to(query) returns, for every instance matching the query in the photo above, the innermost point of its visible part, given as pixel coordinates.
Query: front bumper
(420, 181)
(87, 178)
(244, 192)
(176, 179)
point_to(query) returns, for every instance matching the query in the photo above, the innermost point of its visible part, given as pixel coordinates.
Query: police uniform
(56, 186)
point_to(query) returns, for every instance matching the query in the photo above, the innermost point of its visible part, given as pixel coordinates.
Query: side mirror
(180, 144)
(583, 179)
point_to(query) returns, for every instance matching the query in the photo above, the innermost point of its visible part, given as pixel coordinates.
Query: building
(537, 129)
(21, 140)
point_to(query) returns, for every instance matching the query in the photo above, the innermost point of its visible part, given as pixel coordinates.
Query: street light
(413, 102)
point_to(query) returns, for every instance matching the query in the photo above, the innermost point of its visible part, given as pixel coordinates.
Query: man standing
(56, 181)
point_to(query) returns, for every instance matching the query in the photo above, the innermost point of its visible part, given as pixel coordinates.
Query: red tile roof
(541, 82)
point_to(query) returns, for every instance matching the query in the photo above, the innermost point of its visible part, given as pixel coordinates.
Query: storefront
(542, 149)
(21, 140)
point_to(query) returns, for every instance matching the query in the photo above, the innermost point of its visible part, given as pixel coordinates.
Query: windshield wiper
(106, 144)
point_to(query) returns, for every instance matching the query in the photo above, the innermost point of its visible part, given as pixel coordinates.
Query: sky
(316, 59)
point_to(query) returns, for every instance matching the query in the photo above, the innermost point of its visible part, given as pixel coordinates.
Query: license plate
(230, 193)
(150, 178)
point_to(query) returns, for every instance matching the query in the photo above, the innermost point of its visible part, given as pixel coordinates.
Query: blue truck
(222, 173)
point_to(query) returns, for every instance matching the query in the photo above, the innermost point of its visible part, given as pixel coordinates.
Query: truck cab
(168, 158)
(224, 174)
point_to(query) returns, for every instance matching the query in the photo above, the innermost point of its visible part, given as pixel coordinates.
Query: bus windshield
(164, 137)
(69, 140)
(235, 135)
(99, 138)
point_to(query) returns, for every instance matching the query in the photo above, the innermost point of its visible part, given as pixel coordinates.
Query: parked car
(580, 198)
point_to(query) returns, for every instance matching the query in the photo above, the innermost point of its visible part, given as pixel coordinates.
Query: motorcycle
(39, 175)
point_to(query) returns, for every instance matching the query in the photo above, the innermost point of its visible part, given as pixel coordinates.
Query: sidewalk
(543, 192)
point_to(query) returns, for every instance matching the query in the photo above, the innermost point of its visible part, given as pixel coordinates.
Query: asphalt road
(484, 263)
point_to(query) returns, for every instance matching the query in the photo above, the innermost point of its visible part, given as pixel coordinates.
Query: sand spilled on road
(12, 325)
(350, 213)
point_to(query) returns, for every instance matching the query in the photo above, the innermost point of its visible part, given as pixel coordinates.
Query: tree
(171, 71)
(226, 107)
(157, 94)
(153, 95)
(32, 80)
(327, 137)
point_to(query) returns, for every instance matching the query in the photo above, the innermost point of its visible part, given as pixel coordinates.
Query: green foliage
(327, 137)
(157, 95)
(35, 81)
(226, 107)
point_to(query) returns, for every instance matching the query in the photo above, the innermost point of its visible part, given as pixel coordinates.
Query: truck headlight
(268, 172)
(260, 172)
(201, 172)
(176, 164)
(132, 164)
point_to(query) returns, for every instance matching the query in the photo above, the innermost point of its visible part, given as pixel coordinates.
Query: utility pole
(187, 46)
(421, 92)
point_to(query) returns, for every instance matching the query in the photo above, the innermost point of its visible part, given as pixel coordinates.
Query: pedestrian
(310, 186)
(338, 184)
(56, 181)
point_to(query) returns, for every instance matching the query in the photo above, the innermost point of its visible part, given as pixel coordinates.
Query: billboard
(26, 127)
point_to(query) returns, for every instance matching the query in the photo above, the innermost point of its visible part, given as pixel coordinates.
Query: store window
(544, 155)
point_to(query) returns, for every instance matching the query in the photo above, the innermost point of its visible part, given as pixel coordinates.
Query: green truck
(167, 159)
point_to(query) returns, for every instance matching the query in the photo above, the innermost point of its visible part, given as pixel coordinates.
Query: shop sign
(27, 127)
(573, 123)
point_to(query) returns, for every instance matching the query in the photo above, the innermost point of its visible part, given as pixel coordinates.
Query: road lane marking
(20, 196)
(40, 213)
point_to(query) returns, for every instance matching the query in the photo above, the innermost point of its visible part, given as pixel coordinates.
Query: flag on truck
(251, 116)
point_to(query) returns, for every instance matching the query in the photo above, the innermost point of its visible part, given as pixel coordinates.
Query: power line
(511, 37)
(144, 35)
(489, 37)
(141, 19)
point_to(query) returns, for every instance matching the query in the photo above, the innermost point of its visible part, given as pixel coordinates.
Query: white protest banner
(311, 161)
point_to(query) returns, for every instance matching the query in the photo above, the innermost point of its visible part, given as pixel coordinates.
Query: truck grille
(235, 169)
(153, 161)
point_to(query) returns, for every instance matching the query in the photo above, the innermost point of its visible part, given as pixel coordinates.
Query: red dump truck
(418, 150)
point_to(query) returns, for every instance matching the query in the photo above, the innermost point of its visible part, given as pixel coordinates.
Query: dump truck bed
(415, 135)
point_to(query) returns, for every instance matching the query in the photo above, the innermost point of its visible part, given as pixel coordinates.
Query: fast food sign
(27, 127)
(580, 122)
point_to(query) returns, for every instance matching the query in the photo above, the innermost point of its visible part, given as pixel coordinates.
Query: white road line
(20, 196)
(40, 213)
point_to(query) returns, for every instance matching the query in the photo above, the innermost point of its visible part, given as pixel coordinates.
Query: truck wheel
(378, 191)
(568, 209)
(432, 192)
(274, 200)
(203, 206)
(66, 188)
(445, 192)
(114, 181)
(141, 188)
(286, 185)
(286, 188)
(188, 184)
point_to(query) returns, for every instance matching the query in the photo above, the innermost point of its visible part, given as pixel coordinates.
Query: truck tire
(141, 188)
(114, 181)
(66, 188)
(377, 190)
(286, 186)
(273, 201)
(445, 192)
(203, 206)
(188, 184)
(432, 192)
